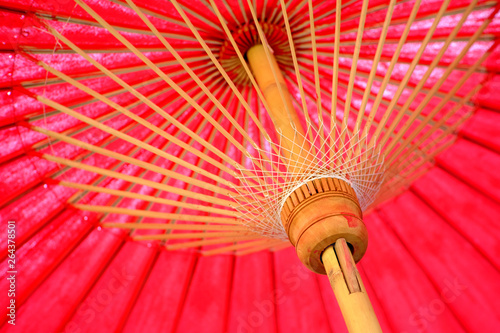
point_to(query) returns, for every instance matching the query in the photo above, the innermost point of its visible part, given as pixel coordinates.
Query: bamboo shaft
(349, 289)
(281, 110)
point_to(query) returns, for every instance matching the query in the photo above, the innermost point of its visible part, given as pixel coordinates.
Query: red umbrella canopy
(119, 112)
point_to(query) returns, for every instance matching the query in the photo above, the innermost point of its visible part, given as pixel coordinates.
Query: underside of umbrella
(133, 128)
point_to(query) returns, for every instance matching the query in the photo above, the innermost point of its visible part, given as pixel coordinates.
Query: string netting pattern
(266, 186)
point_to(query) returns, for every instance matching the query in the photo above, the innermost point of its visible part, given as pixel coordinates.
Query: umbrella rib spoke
(224, 74)
(191, 73)
(352, 74)
(216, 241)
(317, 101)
(144, 99)
(131, 160)
(159, 72)
(404, 81)
(175, 226)
(262, 242)
(335, 75)
(158, 215)
(137, 180)
(149, 198)
(436, 87)
(244, 64)
(385, 81)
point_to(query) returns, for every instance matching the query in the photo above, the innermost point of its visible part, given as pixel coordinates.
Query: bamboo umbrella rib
(143, 197)
(226, 151)
(81, 127)
(193, 235)
(198, 163)
(324, 44)
(106, 141)
(217, 63)
(376, 60)
(250, 76)
(238, 246)
(92, 51)
(175, 87)
(352, 75)
(302, 27)
(268, 56)
(291, 44)
(247, 71)
(130, 139)
(145, 100)
(427, 74)
(315, 61)
(120, 91)
(280, 246)
(136, 118)
(269, 245)
(169, 19)
(178, 35)
(191, 73)
(449, 12)
(109, 139)
(389, 188)
(438, 84)
(426, 151)
(138, 180)
(302, 35)
(297, 10)
(215, 241)
(141, 174)
(409, 72)
(152, 13)
(316, 76)
(387, 76)
(372, 96)
(160, 73)
(335, 73)
(128, 159)
(365, 75)
(408, 142)
(172, 226)
(158, 215)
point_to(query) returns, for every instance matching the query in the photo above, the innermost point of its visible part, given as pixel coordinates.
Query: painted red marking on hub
(351, 220)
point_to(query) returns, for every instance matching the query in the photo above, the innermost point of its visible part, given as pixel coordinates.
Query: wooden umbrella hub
(319, 213)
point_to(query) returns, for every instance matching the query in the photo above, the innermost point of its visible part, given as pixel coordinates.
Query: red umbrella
(432, 263)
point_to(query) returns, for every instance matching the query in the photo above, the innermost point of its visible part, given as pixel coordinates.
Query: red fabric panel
(52, 304)
(253, 302)
(207, 302)
(38, 257)
(106, 307)
(447, 263)
(468, 211)
(298, 297)
(403, 289)
(160, 302)
(488, 96)
(472, 163)
(33, 211)
(484, 128)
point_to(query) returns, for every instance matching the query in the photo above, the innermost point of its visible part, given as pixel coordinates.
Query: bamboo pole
(281, 109)
(349, 289)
